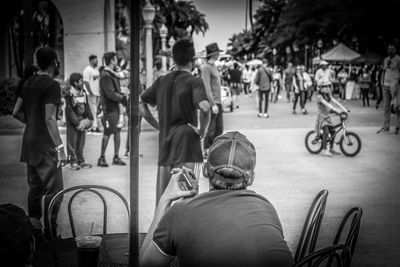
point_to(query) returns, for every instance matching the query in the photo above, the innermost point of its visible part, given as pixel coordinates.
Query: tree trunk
(28, 46)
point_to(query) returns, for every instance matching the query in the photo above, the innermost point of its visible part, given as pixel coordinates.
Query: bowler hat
(212, 49)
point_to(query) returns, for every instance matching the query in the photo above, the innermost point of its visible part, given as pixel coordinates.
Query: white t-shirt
(391, 67)
(92, 76)
(323, 77)
(246, 75)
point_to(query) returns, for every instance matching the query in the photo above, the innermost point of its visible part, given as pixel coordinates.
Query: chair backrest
(312, 224)
(352, 235)
(78, 190)
(340, 254)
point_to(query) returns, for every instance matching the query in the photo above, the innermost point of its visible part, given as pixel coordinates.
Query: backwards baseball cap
(231, 150)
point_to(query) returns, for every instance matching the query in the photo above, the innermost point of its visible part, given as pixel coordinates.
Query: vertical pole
(164, 58)
(28, 29)
(135, 15)
(149, 54)
(246, 14)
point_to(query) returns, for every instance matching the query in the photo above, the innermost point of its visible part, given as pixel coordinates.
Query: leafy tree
(241, 44)
(177, 17)
(256, 40)
(362, 24)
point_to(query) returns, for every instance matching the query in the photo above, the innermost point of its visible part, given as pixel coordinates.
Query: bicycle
(350, 143)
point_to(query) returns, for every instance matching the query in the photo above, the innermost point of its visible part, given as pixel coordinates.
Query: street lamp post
(189, 31)
(163, 34)
(171, 43)
(148, 16)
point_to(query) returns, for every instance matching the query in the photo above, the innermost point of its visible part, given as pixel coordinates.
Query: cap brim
(214, 53)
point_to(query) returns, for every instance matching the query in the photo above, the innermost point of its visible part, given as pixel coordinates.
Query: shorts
(110, 122)
(236, 89)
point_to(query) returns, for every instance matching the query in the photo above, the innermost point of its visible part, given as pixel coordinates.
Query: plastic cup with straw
(88, 248)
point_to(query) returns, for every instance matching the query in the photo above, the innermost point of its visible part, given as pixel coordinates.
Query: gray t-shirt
(224, 228)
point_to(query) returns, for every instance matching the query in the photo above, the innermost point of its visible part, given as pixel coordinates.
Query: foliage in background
(8, 95)
(364, 25)
(176, 15)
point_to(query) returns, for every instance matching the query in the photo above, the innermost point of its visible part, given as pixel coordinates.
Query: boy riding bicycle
(327, 105)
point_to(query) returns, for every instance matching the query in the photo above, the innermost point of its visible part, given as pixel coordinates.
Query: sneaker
(335, 153)
(294, 112)
(305, 111)
(126, 155)
(266, 116)
(74, 166)
(260, 115)
(382, 130)
(396, 131)
(326, 153)
(118, 161)
(102, 162)
(85, 165)
(316, 140)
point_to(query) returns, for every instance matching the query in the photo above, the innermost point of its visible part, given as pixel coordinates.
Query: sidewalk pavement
(286, 174)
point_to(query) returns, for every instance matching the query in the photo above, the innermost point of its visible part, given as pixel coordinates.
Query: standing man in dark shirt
(177, 95)
(110, 97)
(42, 147)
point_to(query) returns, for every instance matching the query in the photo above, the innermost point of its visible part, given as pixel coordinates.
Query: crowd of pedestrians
(186, 138)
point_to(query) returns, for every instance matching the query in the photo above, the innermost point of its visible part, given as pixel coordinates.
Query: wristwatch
(60, 147)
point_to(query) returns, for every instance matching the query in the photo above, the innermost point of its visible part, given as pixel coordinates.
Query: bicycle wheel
(350, 144)
(314, 147)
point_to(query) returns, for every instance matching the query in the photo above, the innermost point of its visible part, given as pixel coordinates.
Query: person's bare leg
(117, 143)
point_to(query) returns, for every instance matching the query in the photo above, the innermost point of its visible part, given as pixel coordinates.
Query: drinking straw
(91, 228)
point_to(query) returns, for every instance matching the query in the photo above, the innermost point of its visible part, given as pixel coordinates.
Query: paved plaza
(286, 174)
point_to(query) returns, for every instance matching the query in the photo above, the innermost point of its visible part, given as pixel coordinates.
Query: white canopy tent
(339, 53)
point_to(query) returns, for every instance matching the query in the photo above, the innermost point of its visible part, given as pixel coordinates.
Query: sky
(224, 17)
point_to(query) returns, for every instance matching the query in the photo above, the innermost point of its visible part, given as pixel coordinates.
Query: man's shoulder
(217, 195)
(206, 65)
(397, 58)
(105, 73)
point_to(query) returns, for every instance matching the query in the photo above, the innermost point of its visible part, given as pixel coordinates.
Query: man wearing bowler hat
(212, 83)
(227, 226)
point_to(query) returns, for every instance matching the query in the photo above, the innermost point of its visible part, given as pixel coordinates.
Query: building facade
(80, 28)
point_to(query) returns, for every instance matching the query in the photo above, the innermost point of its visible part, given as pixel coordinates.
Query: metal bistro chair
(339, 253)
(312, 224)
(80, 189)
(353, 230)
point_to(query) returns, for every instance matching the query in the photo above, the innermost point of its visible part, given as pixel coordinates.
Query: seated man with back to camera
(227, 226)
